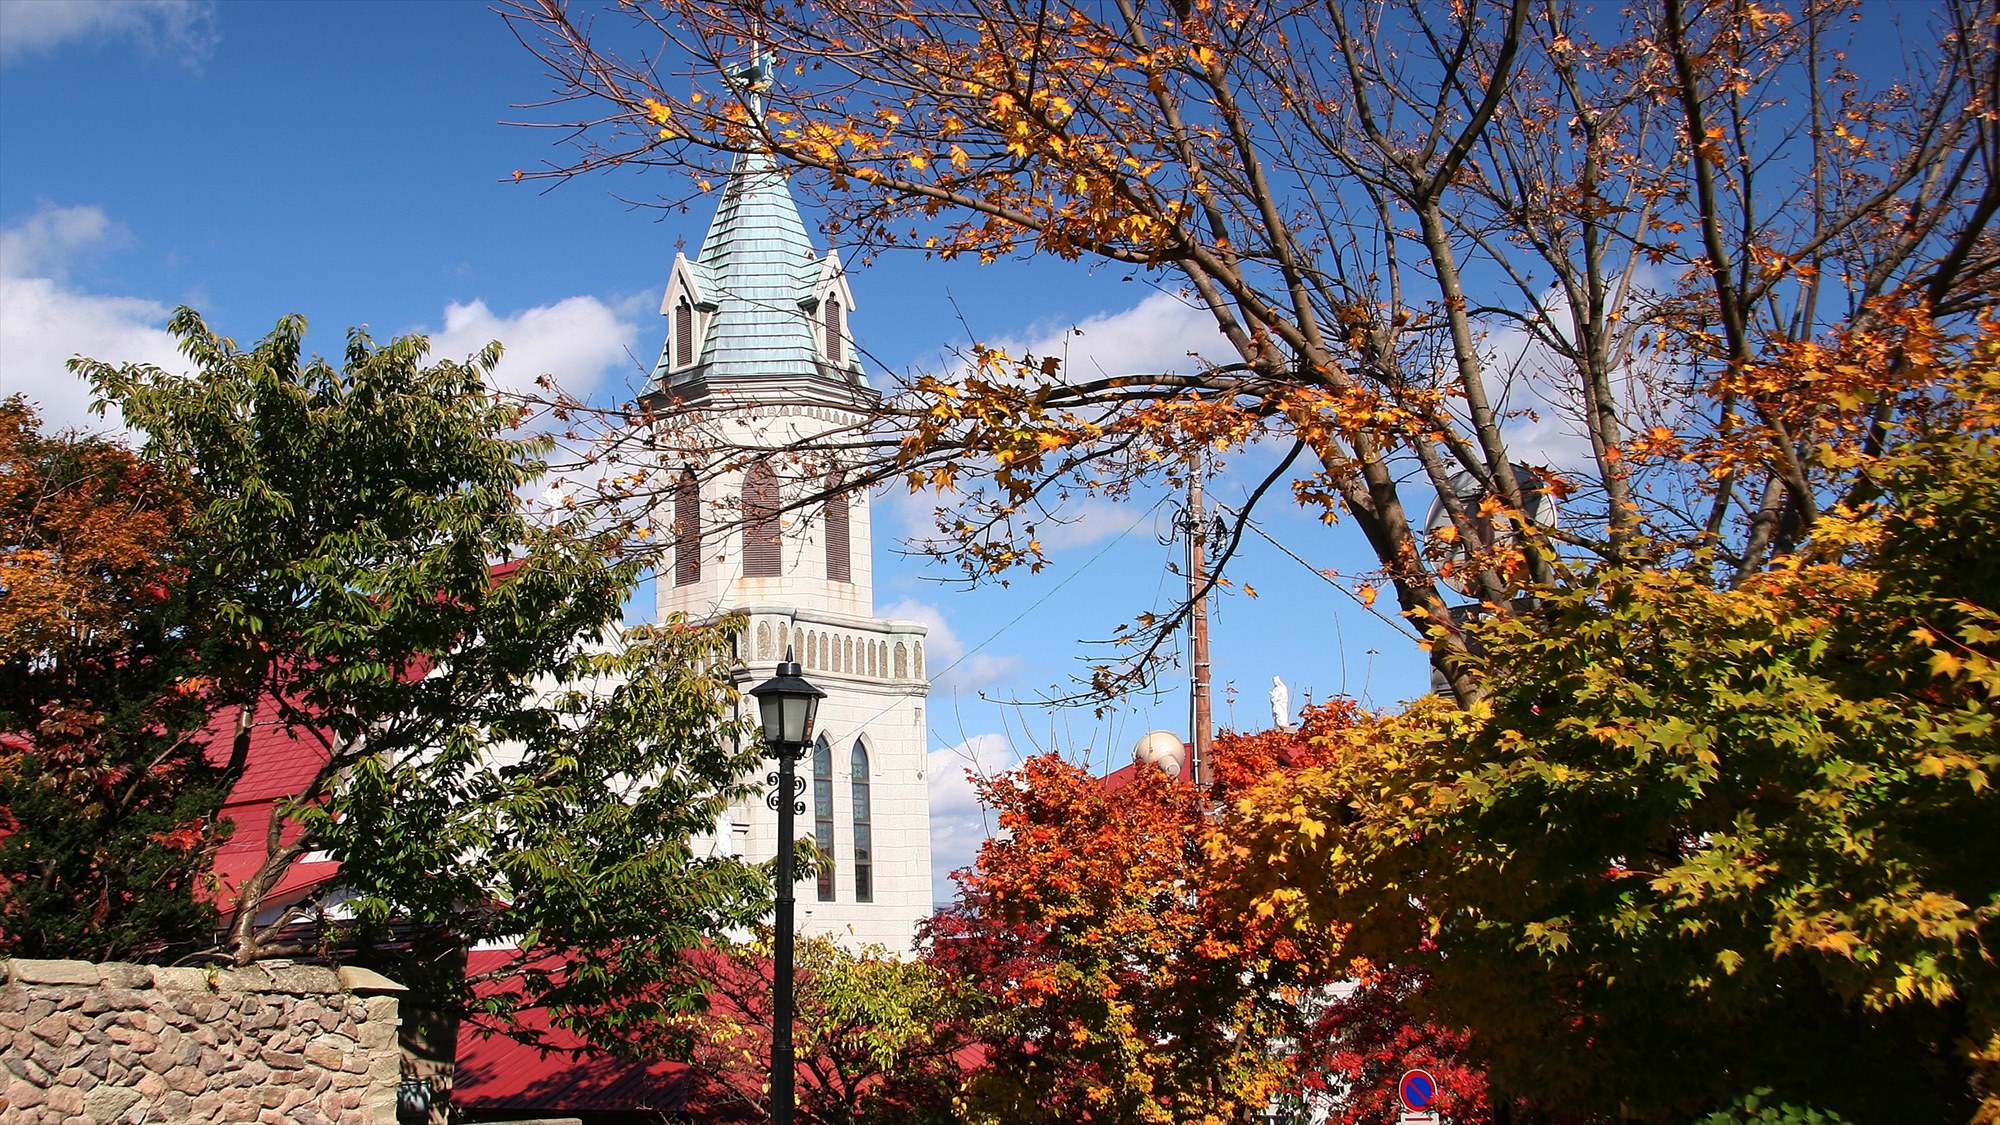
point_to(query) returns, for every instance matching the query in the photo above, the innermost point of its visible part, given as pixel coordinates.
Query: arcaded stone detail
(119, 1044)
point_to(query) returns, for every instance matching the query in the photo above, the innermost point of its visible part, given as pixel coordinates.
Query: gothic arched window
(687, 530)
(823, 815)
(763, 550)
(864, 843)
(833, 330)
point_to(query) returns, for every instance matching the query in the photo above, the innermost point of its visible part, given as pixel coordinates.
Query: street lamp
(787, 703)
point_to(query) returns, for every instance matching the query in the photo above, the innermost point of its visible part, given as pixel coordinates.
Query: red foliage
(1364, 1042)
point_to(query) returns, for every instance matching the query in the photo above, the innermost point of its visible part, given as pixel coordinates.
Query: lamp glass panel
(772, 709)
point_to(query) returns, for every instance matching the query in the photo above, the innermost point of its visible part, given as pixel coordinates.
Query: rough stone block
(30, 971)
(25, 1095)
(106, 1102)
(180, 979)
(65, 1099)
(363, 981)
(304, 980)
(249, 978)
(53, 1028)
(137, 1041)
(123, 974)
(189, 1080)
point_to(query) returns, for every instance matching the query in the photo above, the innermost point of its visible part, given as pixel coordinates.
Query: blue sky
(347, 161)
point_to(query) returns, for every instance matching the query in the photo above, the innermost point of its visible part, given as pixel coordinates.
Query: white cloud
(1159, 334)
(959, 823)
(581, 341)
(44, 321)
(950, 668)
(1541, 392)
(180, 29)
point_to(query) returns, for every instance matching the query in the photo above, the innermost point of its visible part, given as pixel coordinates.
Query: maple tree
(491, 755)
(1695, 841)
(1361, 1043)
(1116, 986)
(874, 1037)
(1497, 252)
(106, 798)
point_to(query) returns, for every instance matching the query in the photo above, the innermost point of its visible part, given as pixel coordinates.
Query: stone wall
(276, 1043)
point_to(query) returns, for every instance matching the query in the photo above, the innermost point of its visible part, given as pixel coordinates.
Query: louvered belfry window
(763, 549)
(833, 330)
(839, 567)
(683, 333)
(687, 530)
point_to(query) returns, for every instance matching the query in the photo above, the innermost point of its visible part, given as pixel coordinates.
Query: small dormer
(828, 307)
(687, 311)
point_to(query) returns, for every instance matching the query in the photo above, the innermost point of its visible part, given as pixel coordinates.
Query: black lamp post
(788, 705)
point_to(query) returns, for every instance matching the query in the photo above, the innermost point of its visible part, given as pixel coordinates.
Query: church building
(759, 362)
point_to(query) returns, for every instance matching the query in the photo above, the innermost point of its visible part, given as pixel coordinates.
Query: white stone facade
(759, 357)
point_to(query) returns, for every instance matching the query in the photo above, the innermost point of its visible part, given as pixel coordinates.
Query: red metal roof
(280, 763)
(497, 1073)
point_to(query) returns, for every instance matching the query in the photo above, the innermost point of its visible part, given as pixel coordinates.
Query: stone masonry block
(304, 980)
(359, 980)
(121, 974)
(180, 979)
(29, 971)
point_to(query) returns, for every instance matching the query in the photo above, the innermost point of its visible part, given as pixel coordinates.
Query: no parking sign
(1418, 1090)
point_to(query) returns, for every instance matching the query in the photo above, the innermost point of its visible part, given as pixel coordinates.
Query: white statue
(1281, 704)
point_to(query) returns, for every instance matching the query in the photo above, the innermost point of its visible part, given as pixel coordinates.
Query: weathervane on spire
(755, 77)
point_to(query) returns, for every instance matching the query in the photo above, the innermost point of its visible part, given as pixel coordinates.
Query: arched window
(864, 843)
(683, 333)
(838, 568)
(833, 330)
(687, 530)
(823, 815)
(763, 550)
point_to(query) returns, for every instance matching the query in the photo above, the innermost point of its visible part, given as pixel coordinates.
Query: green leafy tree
(107, 800)
(875, 1035)
(498, 758)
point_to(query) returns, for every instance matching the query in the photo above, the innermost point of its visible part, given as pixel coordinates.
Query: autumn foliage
(1648, 262)
(107, 802)
(1693, 840)
(1122, 988)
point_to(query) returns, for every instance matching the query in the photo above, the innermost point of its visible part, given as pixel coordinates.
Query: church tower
(759, 361)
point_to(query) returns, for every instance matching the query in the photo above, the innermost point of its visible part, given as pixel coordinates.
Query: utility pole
(1197, 541)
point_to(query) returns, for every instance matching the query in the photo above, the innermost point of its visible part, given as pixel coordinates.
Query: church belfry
(759, 358)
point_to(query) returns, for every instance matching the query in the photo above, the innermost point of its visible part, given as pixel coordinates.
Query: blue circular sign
(1417, 1089)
